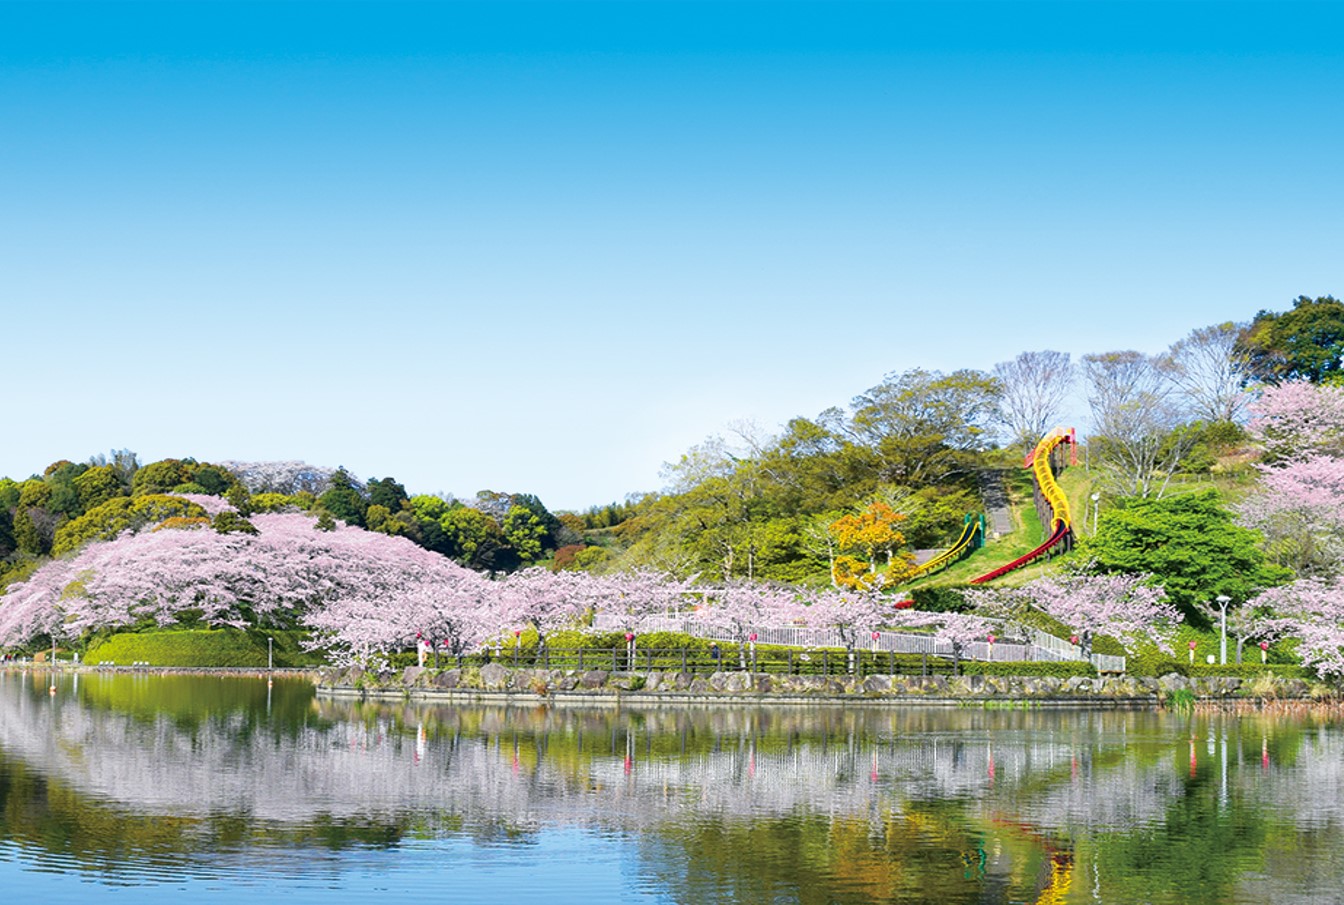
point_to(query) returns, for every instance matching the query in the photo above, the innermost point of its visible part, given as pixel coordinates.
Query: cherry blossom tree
(1299, 507)
(1312, 611)
(547, 600)
(743, 606)
(1298, 419)
(629, 596)
(1125, 607)
(853, 614)
(197, 575)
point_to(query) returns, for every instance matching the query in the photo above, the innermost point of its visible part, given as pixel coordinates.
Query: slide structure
(972, 538)
(1050, 501)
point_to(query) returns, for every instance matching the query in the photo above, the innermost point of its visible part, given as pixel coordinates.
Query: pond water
(139, 788)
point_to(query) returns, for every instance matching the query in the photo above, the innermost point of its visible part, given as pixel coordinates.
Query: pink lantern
(1073, 639)
(629, 636)
(991, 639)
(752, 637)
(875, 636)
(1192, 645)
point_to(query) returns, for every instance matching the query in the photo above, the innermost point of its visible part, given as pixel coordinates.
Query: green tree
(475, 540)
(119, 514)
(1305, 343)
(239, 498)
(34, 524)
(525, 532)
(215, 480)
(97, 485)
(161, 476)
(925, 426)
(343, 499)
(387, 493)
(1189, 544)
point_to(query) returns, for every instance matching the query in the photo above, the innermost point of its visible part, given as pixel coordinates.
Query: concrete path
(994, 494)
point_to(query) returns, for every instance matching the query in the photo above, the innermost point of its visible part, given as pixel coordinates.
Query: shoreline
(535, 687)
(495, 684)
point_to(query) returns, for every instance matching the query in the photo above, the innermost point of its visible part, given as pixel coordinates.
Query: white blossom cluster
(282, 477)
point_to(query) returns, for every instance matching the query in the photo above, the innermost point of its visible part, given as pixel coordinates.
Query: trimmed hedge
(212, 647)
(1035, 668)
(202, 648)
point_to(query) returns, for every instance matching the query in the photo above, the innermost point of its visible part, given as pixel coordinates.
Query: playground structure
(1052, 505)
(1051, 502)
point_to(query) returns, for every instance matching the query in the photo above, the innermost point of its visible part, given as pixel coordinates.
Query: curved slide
(972, 538)
(1052, 495)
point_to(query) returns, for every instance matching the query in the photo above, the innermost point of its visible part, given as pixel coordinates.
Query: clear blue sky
(546, 247)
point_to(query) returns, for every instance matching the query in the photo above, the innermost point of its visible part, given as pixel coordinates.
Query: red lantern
(1192, 645)
(1264, 645)
(1073, 639)
(991, 639)
(752, 637)
(875, 636)
(629, 636)
(903, 604)
(517, 633)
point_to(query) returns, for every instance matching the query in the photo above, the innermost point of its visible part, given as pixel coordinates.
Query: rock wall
(495, 679)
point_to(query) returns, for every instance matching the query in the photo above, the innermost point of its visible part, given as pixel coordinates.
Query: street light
(1096, 511)
(1222, 600)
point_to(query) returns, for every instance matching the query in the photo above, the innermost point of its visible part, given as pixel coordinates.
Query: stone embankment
(494, 681)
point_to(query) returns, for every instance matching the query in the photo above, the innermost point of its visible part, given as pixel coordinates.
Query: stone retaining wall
(555, 684)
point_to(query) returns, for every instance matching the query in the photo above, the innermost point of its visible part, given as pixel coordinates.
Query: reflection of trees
(865, 804)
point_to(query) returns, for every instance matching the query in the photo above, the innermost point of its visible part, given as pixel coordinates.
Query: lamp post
(270, 657)
(1096, 511)
(1222, 600)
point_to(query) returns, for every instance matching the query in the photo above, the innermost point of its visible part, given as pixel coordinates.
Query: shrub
(940, 599)
(215, 647)
(1035, 668)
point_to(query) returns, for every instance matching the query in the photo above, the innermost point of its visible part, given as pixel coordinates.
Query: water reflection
(133, 775)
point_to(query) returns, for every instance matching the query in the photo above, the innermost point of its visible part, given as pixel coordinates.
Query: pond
(141, 788)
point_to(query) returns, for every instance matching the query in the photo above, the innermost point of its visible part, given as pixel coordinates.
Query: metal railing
(1041, 646)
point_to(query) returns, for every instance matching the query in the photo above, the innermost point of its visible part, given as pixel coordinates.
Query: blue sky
(546, 247)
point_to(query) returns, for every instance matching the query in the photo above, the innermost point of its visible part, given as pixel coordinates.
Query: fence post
(683, 659)
(891, 662)
(615, 655)
(924, 664)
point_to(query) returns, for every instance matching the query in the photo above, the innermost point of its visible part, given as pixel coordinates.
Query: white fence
(1041, 647)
